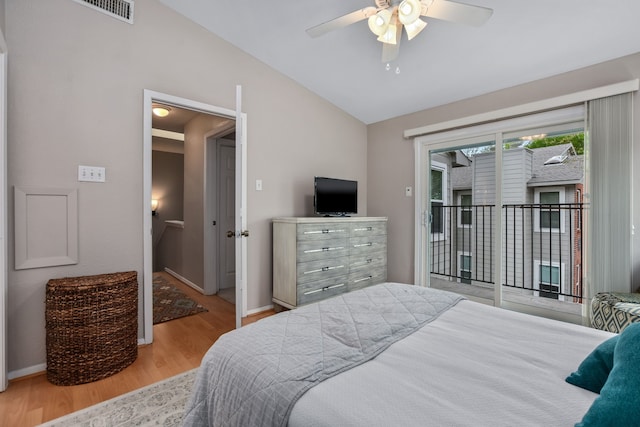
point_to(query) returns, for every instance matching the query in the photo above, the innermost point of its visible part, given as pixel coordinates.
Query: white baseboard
(184, 280)
(259, 309)
(36, 369)
(41, 368)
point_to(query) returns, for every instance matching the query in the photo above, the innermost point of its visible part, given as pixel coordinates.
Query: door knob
(230, 234)
(245, 233)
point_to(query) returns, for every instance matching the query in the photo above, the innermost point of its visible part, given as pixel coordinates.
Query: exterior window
(438, 188)
(550, 213)
(466, 211)
(465, 269)
(549, 216)
(437, 211)
(578, 212)
(549, 281)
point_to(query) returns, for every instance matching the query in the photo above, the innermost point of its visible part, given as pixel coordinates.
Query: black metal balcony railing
(542, 247)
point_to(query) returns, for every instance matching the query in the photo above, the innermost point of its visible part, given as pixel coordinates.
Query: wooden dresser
(317, 257)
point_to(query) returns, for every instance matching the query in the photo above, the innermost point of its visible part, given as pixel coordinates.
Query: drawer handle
(363, 279)
(365, 262)
(363, 229)
(324, 231)
(323, 269)
(326, 288)
(363, 245)
(311, 251)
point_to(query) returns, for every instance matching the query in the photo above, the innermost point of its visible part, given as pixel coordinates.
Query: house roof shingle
(568, 171)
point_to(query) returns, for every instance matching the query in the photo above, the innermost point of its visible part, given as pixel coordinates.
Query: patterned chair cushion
(614, 311)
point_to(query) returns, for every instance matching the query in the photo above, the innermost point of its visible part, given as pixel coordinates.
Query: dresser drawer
(321, 289)
(311, 250)
(369, 228)
(367, 261)
(367, 245)
(322, 231)
(362, 278)
(322, 269)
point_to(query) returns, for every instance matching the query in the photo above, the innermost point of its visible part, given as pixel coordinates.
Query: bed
(397, 354)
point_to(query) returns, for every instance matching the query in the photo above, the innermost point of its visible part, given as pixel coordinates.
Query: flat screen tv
(335, 197)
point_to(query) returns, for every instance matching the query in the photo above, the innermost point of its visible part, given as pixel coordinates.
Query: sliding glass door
(461, 217)
(501, 216)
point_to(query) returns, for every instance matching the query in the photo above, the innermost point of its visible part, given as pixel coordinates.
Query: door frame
(4, 292)
(147, 273)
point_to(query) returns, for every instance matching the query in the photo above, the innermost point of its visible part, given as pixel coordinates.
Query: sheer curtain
(609, 162)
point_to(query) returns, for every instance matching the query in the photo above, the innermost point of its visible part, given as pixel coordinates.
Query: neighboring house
(541, 217)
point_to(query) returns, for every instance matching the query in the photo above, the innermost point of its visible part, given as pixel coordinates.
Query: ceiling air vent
(119, 9)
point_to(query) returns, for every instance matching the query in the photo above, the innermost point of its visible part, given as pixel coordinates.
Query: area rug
(171, 303)
(159, 404)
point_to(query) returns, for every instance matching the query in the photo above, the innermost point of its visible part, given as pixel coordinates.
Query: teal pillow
(619, 400)
(594, 369)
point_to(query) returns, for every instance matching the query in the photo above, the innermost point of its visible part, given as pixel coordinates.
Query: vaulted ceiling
(523, 41)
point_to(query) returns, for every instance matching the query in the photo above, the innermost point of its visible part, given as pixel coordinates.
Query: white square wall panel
(46, 227)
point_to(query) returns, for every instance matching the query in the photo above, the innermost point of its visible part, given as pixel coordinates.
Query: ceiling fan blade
(459, 12)
(343, 21)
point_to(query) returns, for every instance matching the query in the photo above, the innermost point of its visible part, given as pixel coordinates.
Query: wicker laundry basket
(92, 326)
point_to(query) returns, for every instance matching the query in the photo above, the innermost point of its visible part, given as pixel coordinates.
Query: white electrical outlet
(91, 173)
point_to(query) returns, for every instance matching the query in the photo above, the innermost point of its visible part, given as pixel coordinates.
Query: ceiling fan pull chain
(388, 67)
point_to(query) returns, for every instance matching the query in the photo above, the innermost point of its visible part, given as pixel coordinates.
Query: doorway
(210, 121)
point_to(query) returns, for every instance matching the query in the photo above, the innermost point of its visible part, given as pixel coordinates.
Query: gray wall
(76, 81)
(388, 151)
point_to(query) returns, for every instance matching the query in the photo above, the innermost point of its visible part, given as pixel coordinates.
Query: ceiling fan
(388, 17)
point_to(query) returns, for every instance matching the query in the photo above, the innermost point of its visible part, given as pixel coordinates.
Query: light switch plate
(91, 173)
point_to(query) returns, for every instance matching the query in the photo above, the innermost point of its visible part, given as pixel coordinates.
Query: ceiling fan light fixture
(414, 28)
(409, 11)
(389, 36)
(379, 23)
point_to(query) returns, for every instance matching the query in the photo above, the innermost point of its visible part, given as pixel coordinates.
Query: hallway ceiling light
(160, 110)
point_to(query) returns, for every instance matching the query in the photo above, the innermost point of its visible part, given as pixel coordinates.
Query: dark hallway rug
(171, 303)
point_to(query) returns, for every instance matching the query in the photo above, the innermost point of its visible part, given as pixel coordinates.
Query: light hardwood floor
(178, 346)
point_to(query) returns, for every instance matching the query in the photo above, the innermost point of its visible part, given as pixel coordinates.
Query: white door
(241, 233)
(227, 215)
